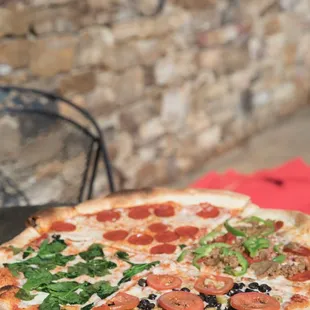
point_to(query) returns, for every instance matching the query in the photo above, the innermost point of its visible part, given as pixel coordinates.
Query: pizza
(159, 249)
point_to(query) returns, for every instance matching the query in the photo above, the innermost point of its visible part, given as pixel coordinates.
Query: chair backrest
(51, 150)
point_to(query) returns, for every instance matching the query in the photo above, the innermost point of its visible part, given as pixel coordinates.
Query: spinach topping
(37, 272)
(93, 251)
(134, 269)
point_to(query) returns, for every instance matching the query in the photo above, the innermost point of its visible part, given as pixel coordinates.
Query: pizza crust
(42, 220)
(129, 198)
(24, 238)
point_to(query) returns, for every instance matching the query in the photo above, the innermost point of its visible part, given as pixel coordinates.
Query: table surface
(12, 221)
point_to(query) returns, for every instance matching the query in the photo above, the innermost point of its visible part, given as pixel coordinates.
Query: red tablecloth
(285, 187)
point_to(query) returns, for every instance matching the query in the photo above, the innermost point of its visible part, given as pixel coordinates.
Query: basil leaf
(135, 269)
(28, 251)
(50, 303)
(93, 251)
(15, 250)
(182, 246)
(88, 307)
(24, 295)
(36, 277)
(122, 255)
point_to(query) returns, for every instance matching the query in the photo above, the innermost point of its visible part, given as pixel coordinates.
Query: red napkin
(285, 187)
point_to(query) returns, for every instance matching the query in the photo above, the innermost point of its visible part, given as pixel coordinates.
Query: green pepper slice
(209, 237)
(270, 229)
(254, 244)
(182, 255)
(241, 260)
(234, 230)
(205, 250)
(280, 258)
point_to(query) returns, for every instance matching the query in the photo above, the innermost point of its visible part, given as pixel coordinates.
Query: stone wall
(168, 91)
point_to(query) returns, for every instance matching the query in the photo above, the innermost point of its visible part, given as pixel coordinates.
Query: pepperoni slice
(187, 231)
(208, 211)
(278, 225)
(163, 249)
(108, 216)
(139, 213)
(163, 282)
(167, 236)
(179, 300)
(62, 226)
(254, 301)
(297, 249)
(301, 277)
(123, 301)
(116, 235)
(164, 210)
(140, 239)
(158, 227)
(214, 285)
(103, 307)
(228, 238)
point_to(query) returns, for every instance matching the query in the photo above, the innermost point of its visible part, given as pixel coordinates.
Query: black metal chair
(50, 154)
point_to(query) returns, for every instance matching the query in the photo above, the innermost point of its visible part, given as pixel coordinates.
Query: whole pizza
(159, 249)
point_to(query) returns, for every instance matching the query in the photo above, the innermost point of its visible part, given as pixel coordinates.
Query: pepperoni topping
(254, 301)
(108, 216)
(187, 231)
(163, 249)
(103, 307)
(179, 300)
(140, 239)
(301, 277)
(297, 249)
(167, 236)
(116, 235)
(123, 301)
(158, 227)
(208, 211)
(139, 213)
(161, 282)
(278, 225)
(228, 238)
(62, 226)
(299, 298)
(214, 285)
(164, 210)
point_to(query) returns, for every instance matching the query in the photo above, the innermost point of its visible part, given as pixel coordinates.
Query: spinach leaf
(95, 250)
(36, 277)
(97, 267)
(24, 295)
(50, 303)
(102, 288)
(28, 251)
(15, 250)
(50, 249)
(122, 255)
(135, 269)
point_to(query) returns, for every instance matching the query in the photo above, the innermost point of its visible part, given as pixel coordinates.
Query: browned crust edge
(129, 198)
(40, 222)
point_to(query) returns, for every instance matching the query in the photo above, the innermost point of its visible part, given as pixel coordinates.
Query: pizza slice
(52, 273)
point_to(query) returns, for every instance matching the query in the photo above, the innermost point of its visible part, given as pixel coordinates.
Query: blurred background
(177, 88)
